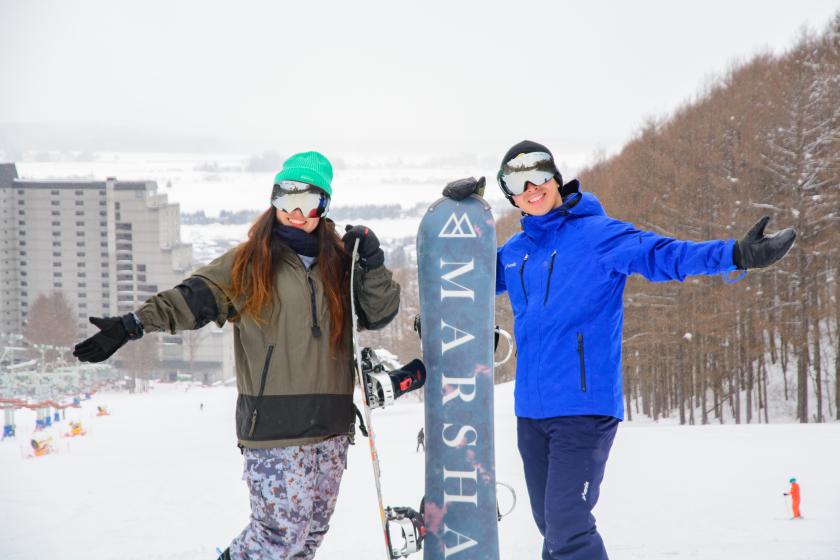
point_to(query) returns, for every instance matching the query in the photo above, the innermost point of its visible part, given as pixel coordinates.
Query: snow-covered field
(160, 478)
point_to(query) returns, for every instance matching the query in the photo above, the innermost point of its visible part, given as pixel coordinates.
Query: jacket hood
(585, 204)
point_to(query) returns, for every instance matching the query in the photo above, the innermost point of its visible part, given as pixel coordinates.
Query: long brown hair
(255, 269)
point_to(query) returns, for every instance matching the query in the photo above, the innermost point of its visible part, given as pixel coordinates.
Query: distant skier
(421, 440)
(794, 496)
(285, 290)
(201, 407)
(565, 274)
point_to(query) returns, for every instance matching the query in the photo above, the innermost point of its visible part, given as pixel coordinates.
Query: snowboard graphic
(456, 259)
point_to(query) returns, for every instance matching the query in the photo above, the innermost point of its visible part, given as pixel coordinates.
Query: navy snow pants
(564, 460)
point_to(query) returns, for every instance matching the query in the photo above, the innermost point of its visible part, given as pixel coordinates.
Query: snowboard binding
(410, 527)
(383, 387)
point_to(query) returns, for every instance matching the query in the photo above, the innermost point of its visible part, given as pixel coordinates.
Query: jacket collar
(540, 228)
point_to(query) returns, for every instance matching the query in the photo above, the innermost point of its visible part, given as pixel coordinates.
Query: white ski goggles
(533, 167)
(295, 195)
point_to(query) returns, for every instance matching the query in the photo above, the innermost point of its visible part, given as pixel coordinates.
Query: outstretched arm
(190, 305)
(623, 248)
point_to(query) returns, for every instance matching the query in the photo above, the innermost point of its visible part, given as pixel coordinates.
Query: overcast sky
(394, 75)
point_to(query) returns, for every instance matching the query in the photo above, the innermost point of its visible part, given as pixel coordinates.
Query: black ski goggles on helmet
(294, 195)
(533, 167)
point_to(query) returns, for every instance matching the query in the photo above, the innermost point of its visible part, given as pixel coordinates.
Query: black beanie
(527, 147)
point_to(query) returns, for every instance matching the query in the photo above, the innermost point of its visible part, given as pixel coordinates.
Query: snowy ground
(161, 479)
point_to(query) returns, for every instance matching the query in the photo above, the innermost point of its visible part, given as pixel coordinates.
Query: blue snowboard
(456, 259)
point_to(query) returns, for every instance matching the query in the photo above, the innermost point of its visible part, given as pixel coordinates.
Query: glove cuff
(736, 256)
(132, 325)
(375, 260)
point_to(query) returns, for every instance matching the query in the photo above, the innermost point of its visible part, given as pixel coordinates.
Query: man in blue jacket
(565, 274)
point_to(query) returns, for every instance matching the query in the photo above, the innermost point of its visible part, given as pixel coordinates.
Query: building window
(103, 244)
(103, 255)
(124, 237)
(55, 213)
(103, 213)
(53, 202)
(79, 193)
(80, 234)
(56, 224)
(56, 234)
(80, 224)
(56, 254)
(124, 226)
(55, 193)
(101, 203)
(80, 212)
(80, 254)
(23, 273)
(56, 275)
(141, 268)
(104, 275)
(103, 234)
(141, 277)
(82, 284)
(116, 206)
(80, 275)
(80, 264)
(80, 203)
(80, 243)
(22, 243)
(24, 283)
(21, 222)
(57, 263)
(23, 253)
(56, 243)
(22, 263)
(22, 212)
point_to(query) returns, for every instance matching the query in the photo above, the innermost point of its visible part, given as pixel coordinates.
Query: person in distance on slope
(285, 291)
(565, 274)
(794, 495)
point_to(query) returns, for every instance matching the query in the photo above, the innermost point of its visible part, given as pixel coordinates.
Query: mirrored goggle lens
(517, 183)
(291, 195)
(534, 167)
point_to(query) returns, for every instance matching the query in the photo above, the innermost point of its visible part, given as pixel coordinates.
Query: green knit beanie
(308, 167)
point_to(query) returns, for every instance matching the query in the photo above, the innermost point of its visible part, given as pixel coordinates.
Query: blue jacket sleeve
(500, 274)
(622, 248)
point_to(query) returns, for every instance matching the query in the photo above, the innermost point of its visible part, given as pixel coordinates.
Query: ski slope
(161, 479)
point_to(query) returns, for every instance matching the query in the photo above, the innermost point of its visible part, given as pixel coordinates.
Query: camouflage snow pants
(293, 493)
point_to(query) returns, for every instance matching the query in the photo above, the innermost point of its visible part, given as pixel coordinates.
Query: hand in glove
(462, 188)
(756, 250)
(113, 333)
(370, 253)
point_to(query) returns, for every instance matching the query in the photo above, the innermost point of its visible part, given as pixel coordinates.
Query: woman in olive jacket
(285, 292)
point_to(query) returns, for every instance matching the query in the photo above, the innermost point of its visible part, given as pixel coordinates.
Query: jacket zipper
(316, 330)
(522, 276)
(262, 389)
(550, 269)
(582, 363)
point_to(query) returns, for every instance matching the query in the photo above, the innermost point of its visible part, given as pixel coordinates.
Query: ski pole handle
(506, 336)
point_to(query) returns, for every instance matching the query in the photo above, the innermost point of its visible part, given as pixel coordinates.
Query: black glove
(462, 188)
(756, 250)
(113, 333)
(370, 252)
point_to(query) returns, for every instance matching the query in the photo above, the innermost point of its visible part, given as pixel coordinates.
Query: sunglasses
(534, 167)
(295, 195)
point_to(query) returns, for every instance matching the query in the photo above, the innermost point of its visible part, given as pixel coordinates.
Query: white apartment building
(107, 245)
